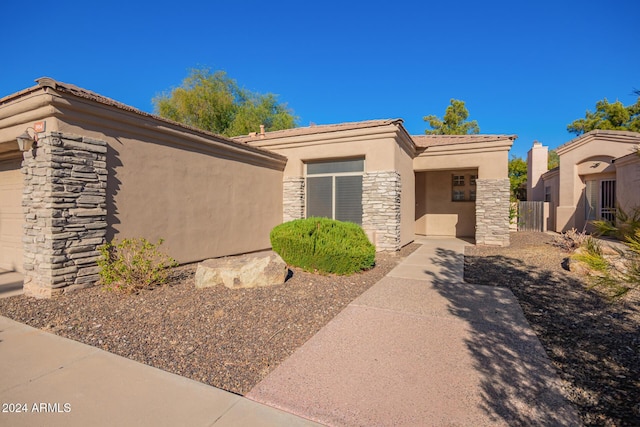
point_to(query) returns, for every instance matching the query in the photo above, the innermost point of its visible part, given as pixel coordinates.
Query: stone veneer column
(381, 208)
(492, 212)
(293, 199)
(64, 204)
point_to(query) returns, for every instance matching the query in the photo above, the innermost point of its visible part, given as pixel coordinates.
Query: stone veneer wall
(64, 203)
(492, 212)
(381, 208)
(293, 199)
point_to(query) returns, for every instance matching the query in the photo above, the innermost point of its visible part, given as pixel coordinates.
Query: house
(101, 170)
(599, 172)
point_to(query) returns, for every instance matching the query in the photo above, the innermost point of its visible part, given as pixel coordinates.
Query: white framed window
(334, 189)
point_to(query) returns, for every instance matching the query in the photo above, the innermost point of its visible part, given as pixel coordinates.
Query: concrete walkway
(423, 348)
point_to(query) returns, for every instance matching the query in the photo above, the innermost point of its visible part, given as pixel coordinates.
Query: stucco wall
(491, 163)
(202, 203)
(593, 153)
(628, 182)
(11, 218)
(382, 148)
(436, 213)
(552, 180)
(404, 165)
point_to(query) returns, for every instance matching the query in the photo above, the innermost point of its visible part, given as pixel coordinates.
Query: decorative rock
(381, 208)
(64, 208)
(293, 199)
(243, 271)
(492, 212)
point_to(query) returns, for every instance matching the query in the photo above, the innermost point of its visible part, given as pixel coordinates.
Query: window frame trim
(333, 176)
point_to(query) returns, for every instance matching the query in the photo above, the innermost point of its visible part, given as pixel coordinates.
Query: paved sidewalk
(421, 347)
(65, 383)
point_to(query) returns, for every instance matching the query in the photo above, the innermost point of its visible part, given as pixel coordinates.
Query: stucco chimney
(537, 161)
(261, 131)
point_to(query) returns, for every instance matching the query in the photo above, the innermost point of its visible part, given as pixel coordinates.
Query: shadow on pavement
(518, 383)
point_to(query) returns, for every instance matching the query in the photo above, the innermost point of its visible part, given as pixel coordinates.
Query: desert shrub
(570, 240)
(323, 244)
(592, 255)
(626, 224)
(133, 264)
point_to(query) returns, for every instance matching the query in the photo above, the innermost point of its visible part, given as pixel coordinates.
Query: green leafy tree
(553, 160)
(609, 116)
(215, 102)
(454, 121)
(518, 178)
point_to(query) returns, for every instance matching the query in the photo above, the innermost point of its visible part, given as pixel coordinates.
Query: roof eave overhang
(468, 148)
(74, 107)
(609, 135)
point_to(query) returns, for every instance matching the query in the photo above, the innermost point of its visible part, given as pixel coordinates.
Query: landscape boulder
(242, 271)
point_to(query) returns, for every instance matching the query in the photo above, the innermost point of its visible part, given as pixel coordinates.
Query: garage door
(11, 215)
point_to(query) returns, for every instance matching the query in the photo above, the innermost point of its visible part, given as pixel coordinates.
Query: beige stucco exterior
(628, 180)
(384, 147)
(491, 158)
(108, 171)
(597, 156)
(436, 213)
(11, 215)
(207, 196)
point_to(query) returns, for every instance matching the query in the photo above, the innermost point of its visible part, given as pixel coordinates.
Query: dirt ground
(593, 342)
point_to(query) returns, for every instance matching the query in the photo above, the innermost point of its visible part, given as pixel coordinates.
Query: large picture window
(334, 189)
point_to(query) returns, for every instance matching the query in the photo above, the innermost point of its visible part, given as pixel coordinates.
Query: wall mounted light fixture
(27, 142)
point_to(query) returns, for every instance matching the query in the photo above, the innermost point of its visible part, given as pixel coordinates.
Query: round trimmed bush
(323, 244)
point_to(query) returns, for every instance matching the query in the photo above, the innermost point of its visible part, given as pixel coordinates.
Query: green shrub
(626, 224)
(323, 244)
(592, 255)
(133, 264)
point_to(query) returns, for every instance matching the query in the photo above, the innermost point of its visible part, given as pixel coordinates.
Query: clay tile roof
(426, 141)
(318, 129)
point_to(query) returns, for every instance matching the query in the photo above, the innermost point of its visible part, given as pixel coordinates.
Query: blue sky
(522, 67)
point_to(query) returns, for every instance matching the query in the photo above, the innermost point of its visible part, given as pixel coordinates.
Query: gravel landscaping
(231, 339)
(593, 342)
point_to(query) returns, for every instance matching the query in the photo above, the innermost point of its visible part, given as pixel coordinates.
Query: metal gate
(530, 216)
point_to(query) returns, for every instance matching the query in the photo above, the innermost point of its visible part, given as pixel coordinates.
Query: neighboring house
(103, 170)
(598, 173)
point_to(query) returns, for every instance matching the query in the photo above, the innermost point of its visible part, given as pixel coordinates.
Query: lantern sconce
(27, 142)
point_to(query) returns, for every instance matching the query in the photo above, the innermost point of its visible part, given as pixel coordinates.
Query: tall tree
(518, 178)
(609, 116)
(215, 102)
(454, 121)
(553, 160)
